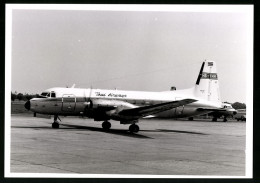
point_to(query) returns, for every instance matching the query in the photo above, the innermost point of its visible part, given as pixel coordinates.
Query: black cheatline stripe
(200, 74)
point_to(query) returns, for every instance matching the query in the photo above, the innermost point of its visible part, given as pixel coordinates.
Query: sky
(127, 50)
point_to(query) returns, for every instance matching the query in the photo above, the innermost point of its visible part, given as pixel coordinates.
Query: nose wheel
(106, 125)
(134, 128)
(55, 124)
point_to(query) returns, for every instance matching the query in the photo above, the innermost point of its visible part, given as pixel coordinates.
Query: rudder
(207, 84)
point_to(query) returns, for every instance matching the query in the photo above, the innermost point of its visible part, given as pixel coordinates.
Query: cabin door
(68, 102)
(179, 110)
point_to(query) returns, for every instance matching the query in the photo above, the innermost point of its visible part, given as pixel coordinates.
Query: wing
(124, 111)
(153, 109)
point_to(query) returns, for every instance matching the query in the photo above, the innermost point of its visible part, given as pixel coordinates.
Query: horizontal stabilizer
(150, 116)
(153, 109)
(213, 110)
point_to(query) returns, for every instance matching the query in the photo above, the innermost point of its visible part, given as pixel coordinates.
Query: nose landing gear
(55, 124)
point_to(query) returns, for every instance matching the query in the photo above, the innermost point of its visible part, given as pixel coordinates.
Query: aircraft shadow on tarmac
(113, 131)
(179, 131)
(78, 127)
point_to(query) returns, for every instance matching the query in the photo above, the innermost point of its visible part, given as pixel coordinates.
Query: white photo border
(247, 9)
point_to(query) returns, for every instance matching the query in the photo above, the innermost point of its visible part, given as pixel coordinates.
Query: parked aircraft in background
(229, 112)
(129, 106)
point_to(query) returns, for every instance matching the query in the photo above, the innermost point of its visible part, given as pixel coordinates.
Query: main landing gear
(55, 124)
(133, 128)
(214, 119)
(106, 125)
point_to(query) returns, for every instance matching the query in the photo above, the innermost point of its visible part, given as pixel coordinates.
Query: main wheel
(55, 125)
(214, 119)
(134, 128)
(106, 125)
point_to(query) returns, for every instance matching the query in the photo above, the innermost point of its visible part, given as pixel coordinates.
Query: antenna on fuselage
(90, 91)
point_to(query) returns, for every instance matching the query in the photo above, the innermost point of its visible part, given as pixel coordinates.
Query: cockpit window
(48, 94)
(53, 95)
(44, 94)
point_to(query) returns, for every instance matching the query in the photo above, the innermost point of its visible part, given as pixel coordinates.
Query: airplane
(129, 106)
(228, 111)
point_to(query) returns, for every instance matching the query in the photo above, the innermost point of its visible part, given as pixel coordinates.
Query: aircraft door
(179, 110)
(68, 102)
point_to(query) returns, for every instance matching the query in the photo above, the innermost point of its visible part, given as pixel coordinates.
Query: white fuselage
(74, 101)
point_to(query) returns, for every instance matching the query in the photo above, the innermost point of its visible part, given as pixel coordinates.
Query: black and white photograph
(129, 91)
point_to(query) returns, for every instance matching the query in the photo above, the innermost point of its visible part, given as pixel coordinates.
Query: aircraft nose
(27, 105)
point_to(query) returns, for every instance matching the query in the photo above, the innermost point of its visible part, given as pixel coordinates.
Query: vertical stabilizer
(207, 84)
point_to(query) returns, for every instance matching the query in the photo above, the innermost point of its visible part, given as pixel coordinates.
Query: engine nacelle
(88, 104)
(105, 109)
(129, 122)
(107, 104)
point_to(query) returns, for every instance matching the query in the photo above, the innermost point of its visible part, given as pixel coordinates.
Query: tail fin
(207, 84)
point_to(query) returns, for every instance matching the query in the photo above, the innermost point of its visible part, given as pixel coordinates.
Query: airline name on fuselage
(99, 94)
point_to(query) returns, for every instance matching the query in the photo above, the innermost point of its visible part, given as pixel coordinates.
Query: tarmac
(161, 147)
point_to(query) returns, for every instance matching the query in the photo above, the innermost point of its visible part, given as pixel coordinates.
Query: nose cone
(27, 105)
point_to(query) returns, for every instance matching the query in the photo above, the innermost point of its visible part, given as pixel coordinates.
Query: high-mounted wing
(153, 109)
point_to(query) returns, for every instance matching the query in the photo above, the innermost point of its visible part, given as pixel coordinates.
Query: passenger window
(48, 95)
